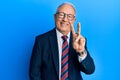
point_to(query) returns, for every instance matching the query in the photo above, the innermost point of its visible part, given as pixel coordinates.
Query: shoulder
(45, 36)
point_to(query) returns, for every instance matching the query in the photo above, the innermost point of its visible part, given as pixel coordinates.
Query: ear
(73, 20)
(54, 16)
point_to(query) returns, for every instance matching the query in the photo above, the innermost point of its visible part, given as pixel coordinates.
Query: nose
(65, 17)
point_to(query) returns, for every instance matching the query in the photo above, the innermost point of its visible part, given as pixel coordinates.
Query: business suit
(44, 63)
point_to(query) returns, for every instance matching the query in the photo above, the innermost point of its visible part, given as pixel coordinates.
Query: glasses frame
(64, 15)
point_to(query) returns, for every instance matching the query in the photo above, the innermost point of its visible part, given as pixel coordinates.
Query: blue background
(22, 20)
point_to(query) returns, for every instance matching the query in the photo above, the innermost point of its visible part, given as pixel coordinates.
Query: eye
(70, 16)
(61, 14)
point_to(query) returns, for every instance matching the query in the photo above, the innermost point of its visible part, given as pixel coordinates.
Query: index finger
(79, 28)
(72, 29)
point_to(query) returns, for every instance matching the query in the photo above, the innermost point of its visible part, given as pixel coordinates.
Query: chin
(64, 31)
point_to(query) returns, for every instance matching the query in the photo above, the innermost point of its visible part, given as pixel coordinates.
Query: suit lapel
(70, 46)
(55, 53)
(54, 48)
(70, 58)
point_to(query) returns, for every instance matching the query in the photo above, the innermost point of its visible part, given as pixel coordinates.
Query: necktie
(64, 61)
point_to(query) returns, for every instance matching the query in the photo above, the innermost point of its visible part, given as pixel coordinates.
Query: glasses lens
(62, 15)
(70, 17)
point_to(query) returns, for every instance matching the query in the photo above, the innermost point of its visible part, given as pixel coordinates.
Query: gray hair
(68, 3)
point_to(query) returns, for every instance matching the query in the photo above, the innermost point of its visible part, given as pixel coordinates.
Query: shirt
(60, 41)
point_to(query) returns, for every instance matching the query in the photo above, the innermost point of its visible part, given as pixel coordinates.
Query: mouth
(64, 24)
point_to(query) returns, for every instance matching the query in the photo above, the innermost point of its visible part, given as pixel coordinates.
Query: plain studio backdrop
(22, 20)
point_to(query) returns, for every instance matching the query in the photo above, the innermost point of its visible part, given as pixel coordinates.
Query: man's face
(64, 17)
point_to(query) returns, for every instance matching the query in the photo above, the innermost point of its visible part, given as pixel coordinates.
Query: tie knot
(64, 38)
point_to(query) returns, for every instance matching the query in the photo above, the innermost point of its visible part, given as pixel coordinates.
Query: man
(61, 54)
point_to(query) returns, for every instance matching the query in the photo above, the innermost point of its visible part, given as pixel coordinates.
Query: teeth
(64, 23)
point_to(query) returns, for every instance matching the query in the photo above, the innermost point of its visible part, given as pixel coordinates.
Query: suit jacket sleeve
(87, 65)
(35, 63)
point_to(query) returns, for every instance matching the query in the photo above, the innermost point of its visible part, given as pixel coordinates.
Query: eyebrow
(64, 13)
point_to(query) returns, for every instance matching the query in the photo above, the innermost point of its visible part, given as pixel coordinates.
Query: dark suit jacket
(44, 63)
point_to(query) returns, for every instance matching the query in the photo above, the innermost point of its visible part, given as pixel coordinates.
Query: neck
(63, 32)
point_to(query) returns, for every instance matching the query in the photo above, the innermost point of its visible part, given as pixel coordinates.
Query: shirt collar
(59, 34)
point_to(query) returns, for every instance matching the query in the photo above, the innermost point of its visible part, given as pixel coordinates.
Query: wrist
(82, 53)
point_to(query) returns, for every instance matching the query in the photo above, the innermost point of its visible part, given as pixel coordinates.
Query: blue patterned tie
(64, 61)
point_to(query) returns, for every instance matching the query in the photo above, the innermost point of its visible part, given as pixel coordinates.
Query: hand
(78, 39)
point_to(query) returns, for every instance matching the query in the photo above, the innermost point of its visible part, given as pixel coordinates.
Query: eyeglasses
(62, 15)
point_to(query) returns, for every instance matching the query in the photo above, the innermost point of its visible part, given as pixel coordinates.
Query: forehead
(66, 8)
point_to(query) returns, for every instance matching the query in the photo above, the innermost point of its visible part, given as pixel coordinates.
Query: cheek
(57, 23)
